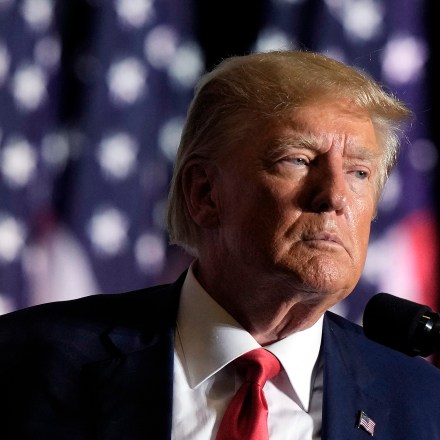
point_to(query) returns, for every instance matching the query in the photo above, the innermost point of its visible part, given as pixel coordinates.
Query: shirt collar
(298, 354)
(209, 332)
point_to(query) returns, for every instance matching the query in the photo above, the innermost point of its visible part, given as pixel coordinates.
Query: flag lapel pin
(365, 423)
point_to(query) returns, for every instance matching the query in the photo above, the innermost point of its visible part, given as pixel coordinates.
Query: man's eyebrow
(307, 141)
(362, 153)
(284, 144)
(281, 146)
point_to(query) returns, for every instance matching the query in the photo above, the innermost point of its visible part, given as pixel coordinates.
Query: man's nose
(329, 191)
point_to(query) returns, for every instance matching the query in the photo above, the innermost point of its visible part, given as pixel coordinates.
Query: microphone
(413, 329)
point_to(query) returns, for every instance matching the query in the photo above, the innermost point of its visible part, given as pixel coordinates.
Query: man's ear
(198, 187)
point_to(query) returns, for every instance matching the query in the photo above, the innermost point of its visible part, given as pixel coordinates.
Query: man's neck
(270, 310)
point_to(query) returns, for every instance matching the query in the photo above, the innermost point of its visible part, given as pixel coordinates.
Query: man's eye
(298, 160)
(361, 174)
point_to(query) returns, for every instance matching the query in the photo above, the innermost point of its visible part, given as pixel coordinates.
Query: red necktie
(246, 416)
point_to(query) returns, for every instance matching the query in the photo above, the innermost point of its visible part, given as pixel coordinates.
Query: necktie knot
(258, 366)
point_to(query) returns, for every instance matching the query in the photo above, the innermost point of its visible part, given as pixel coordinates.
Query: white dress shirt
(207, 340)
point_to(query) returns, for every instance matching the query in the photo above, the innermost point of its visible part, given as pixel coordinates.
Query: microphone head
(397, 323)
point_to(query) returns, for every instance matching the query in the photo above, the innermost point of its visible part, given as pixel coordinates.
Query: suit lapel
(349, 385)
(131, 393)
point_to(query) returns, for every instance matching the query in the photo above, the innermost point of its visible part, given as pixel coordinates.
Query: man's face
(296, 200)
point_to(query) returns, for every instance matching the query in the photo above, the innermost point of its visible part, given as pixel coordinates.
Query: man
(279, 172)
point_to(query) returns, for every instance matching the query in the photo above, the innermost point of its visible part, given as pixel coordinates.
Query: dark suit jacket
(101, 367)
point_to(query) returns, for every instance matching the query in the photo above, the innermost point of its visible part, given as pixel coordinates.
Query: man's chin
(322, 278)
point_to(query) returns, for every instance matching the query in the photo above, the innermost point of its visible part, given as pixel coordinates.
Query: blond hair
(243, 92)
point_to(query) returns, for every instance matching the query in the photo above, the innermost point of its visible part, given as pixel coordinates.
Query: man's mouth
(325, 237)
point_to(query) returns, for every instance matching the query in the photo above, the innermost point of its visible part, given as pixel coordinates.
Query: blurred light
(273, 39)
(134, 13)
(37, 13)
(108, 231)
(29, 87)
(48, 52)
(117, 155)
(363, 19)
(403, 59)
(169, 137)
(12, 238)
(126, 80)
(6, 303)
(187, 65)
(18, 162)
(160, 46)
(150, 252)
(391, 193)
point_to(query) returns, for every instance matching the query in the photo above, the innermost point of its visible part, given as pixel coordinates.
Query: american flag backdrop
(93, 95)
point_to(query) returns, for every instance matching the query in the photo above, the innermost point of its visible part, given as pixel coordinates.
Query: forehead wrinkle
(359, 151)
(301, 129)
(283, 144)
